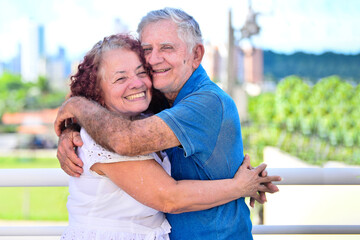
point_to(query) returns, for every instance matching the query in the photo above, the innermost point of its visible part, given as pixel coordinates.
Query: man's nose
(154, 57)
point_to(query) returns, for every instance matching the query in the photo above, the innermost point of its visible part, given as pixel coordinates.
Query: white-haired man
(200, 131)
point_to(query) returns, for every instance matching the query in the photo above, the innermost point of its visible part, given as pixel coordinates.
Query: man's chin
(159, 85)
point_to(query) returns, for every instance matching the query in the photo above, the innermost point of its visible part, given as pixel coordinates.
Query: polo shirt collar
(191, 84)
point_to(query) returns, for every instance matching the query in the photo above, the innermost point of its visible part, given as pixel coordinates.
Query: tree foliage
(323, 117)
(310, 66)
(17, 95)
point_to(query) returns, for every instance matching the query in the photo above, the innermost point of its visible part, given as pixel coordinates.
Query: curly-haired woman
(119, 197)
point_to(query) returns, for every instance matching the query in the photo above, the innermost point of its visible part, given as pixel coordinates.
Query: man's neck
(171, 97)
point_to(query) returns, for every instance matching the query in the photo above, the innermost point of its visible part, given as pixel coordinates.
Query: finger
(255, 197)
(246, 162)
(59, 128)
(263, 196)
(270, 179)
(59, 124)
(74, 162)
(272, 187)
(249, 166)
(264, 188)
(260, 168)
(75, 169)
(68, 166)
(258, 198)
(68, 159)
(68, 153)
(264, 173)
(61, 118)
(77, 139)
(70, 172)
(252, 202)
(64, 165)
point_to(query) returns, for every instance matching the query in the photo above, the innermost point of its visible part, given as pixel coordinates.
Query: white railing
(292, 176)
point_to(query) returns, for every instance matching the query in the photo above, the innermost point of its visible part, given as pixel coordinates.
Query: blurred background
(292, 67)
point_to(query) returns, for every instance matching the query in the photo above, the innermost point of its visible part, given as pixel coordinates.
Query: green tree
(12, 93)
(16, 95)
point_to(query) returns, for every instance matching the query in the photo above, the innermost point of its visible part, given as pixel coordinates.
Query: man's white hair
(188, 29)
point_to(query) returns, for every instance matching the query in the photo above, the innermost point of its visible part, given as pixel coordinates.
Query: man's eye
(147, 50)
(167, 47)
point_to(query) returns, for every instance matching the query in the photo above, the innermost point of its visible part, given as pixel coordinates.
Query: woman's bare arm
(148, 183)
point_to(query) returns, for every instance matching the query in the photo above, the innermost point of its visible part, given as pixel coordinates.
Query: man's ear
(199, 51)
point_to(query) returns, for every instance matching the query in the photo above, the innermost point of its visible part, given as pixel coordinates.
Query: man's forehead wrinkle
(162, 43)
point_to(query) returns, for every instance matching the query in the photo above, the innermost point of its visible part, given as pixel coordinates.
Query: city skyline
(286, 26)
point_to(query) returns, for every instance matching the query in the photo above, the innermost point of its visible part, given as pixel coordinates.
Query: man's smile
(161, 70)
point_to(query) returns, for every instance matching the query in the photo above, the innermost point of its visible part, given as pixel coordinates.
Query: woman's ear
(199, 51)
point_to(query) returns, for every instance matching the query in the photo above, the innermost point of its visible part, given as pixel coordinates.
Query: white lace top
(99, 209)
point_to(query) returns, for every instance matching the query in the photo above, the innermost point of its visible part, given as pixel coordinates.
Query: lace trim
(96, 153)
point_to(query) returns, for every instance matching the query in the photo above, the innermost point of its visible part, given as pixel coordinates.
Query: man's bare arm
(114, 132)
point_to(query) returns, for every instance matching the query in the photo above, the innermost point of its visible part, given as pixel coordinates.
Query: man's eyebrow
(145, 44)
(119, 72)
(138, 67)
(167, 43)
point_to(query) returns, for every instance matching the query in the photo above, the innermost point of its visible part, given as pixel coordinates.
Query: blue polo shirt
(205, 120)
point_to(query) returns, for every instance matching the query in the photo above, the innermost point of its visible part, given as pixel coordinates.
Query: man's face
(168, 55)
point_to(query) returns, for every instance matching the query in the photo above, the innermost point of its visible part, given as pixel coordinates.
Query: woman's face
(126, 86)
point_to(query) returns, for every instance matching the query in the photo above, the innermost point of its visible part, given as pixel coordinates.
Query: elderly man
(201, 130)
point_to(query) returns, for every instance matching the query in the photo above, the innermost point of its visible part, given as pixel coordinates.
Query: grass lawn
(29, 162)
(32, 203)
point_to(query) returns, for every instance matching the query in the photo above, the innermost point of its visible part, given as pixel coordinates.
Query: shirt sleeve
(196, 121)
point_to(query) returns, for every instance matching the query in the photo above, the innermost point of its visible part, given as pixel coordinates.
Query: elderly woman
(119, 197)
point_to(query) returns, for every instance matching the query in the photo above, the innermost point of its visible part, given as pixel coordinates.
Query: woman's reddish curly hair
(86, 82)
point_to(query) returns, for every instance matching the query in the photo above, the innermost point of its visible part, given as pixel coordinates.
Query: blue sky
(287, 26)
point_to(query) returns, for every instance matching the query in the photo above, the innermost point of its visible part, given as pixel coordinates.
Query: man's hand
(64, 113)
(69, 161)
(256, 182)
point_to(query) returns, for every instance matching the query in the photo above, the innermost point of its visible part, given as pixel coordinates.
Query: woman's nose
(136, 82)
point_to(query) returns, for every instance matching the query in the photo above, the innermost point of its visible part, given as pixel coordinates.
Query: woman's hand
(254, 182)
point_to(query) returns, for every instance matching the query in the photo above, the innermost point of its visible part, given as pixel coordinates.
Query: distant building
(30, 50)
(239, 66)
(14, 65)
(212, 62)
(41, 41)
(250, 65)
(58, 70)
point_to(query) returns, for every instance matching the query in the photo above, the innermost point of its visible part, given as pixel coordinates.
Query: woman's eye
(142, 74)
(122, 79)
